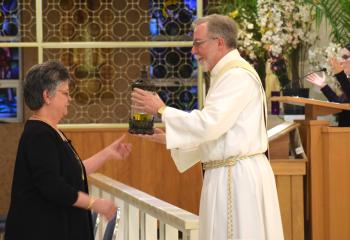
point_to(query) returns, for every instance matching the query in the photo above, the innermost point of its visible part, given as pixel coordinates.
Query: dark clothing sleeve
(47, 178)
(331, 95)
(46, 170)
(344, 116)
(344, 83)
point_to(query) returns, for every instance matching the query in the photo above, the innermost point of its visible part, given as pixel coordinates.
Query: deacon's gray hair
(220, 26)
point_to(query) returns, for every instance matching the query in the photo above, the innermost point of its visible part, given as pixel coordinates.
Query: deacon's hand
(145, 101)
(158, 136)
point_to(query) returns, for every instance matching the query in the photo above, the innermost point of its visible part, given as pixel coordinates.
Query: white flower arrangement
(272, 31)
(319, 57)
(285, 25)
(248, 43)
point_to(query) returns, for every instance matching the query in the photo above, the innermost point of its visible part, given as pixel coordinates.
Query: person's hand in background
(317, 80)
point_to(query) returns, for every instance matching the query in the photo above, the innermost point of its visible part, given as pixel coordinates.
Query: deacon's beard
(204, 65)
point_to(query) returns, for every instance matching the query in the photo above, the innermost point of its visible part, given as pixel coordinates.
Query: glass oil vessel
(140, 122)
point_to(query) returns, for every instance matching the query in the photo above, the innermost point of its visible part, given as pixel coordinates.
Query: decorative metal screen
(96, 20)
(102, 76)
(101, 90)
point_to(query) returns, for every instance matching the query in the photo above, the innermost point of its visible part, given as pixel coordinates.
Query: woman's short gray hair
(41, 77)
(220, 26)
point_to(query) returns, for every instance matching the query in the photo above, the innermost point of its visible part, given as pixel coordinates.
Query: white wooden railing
(140, 215)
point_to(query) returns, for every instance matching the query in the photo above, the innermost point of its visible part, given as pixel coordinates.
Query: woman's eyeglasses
(345, 57)
(64, 92)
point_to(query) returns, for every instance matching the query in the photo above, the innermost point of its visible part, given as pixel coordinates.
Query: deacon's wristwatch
(160, 111)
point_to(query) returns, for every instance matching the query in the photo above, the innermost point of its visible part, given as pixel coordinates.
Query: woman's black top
(47, 177)
(344, 116)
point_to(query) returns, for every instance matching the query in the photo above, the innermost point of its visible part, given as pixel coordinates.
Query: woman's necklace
(39, 118)
(76, 157)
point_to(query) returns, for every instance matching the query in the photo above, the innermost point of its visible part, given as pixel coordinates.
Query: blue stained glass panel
(8, 103)
(9, 24)
(9, 64)
(174, 68)
(172, 19)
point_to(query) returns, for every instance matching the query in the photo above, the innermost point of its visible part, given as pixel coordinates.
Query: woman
(49, 197)
(340, 70)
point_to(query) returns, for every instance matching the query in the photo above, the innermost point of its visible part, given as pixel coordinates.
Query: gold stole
(246, 66)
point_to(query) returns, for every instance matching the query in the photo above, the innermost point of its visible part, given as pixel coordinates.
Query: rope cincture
(229, 163)
(229, 203)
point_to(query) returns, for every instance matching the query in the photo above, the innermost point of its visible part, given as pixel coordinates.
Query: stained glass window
(174, 70)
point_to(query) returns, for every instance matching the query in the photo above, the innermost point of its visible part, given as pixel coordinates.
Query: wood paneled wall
(290, 188)
(336, 155)
(9, 135)
(148, 168)
(151, 169)
(328, 152)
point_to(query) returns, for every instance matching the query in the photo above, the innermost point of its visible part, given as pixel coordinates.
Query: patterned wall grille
(102, 76)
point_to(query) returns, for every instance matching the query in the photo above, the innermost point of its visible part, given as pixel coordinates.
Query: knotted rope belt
(229, 163)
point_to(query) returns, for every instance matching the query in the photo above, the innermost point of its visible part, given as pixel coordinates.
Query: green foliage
(337, 14)
(250, 5)
(245, 14)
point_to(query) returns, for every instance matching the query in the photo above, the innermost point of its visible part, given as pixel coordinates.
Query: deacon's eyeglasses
(197, 43)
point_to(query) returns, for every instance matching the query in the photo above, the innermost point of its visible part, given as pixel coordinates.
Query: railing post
(143, 225)
(161, 231)
(140, 213)
(150, 227)
(190, 235)
(126, 220)
(171, 233)
(134, 223)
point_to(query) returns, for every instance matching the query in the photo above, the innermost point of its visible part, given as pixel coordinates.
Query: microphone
(320, 70)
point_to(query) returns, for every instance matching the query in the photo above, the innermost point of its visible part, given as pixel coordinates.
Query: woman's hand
(158, 136)
(346, 66)
(105, 207)
(317, 80)
(118, 149)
